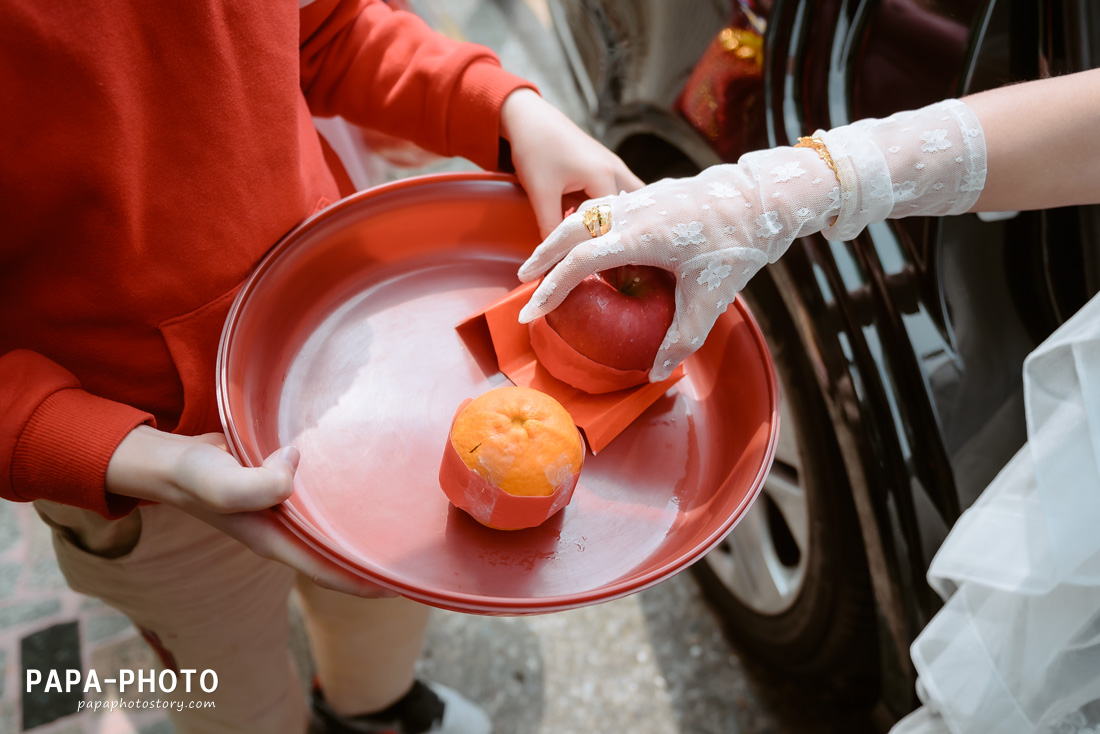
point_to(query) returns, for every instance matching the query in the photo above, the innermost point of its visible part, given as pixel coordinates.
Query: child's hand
(199, 476)
(554, 157)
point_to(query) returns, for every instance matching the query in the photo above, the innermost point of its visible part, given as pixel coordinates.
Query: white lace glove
(717, 229)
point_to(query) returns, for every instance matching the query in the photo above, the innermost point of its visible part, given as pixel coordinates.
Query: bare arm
(1041, 142)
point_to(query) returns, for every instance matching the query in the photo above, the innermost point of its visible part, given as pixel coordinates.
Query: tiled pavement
(44, 626)
(652, 663)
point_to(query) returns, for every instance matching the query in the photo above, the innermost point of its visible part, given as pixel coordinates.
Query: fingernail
(290, 455)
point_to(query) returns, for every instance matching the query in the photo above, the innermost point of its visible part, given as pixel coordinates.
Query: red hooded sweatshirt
(150, 154)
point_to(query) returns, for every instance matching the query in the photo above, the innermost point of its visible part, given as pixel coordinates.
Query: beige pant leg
(365, 650)
(206, 600)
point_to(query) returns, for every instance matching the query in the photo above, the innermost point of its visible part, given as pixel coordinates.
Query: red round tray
(342, 343)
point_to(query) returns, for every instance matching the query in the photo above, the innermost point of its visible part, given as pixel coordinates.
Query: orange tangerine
(520, 440)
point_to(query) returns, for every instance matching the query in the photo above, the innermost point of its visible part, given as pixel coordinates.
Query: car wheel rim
(763, 561)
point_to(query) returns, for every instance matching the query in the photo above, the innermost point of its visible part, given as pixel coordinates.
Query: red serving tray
(342, 343)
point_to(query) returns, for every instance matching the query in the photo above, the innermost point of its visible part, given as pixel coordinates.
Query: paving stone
(9, 716)
(159, 727)
(9, 527)
(54, 649)
(9, 577)
(99, 627)
(17, 612)
(91, 604)
(75, 728)
(44, 575)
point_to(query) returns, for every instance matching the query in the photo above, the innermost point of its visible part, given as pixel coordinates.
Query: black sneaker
(428, 708)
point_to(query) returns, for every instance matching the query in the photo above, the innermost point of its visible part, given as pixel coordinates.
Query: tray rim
(456, 601)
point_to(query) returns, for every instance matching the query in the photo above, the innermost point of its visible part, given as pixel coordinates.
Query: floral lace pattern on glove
(929, 162)
(714, 231)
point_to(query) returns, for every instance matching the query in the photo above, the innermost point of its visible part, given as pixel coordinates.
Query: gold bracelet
(818, 146)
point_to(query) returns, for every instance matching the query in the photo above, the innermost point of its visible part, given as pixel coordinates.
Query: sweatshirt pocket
(193, 340)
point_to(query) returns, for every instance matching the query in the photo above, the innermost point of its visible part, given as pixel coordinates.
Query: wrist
(141, 465)
(518, 106)
(796, 194)
(925, 162)
(863, 176)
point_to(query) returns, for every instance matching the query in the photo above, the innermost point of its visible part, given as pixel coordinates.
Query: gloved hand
(717, 229)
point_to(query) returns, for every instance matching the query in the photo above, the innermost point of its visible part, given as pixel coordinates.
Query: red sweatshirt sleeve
(387, 70)
(56, 439)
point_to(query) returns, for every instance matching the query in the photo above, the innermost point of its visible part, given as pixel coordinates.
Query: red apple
(618, 317)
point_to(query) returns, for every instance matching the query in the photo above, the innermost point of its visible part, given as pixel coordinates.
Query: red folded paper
(573, 368)
(491, 505)
(601, 417)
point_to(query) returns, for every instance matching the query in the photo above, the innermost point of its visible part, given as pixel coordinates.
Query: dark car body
(905, 346)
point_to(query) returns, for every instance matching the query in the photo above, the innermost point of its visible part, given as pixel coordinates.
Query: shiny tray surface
(342, 343)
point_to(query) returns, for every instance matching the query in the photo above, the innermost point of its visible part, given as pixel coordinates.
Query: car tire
(824, 628)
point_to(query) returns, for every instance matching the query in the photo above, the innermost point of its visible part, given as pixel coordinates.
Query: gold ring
(597, 219)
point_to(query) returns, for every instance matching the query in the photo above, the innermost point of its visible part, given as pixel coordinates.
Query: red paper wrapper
(497, 340)
(570, 366)
(490, 505)
(724, 96)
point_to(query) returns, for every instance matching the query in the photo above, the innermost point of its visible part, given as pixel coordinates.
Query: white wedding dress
(1016, 648)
